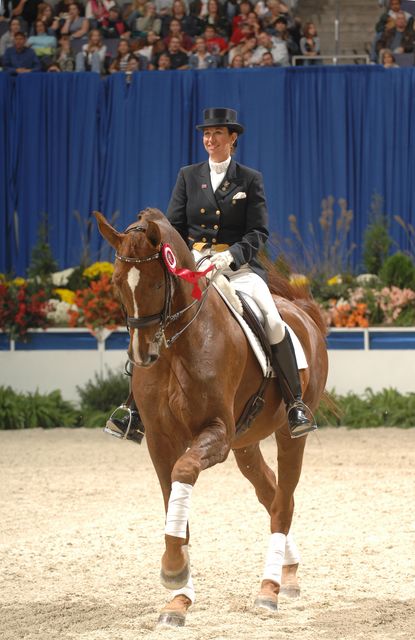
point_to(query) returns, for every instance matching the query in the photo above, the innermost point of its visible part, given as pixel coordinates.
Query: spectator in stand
(178, 59)
(7, 39)
(25, 10)
(150, 21)
(310, 44)
(42, 44)
(241, 34)
(388, 60)
(132, 10)
(216, 18)
(198, 9)
(244, 8)
(283, 37)
(53, 68)
(97, 10)
(244, 49)
(188, 23)
(92, 56)
(62, 8)
(113, 26)
(64, 57)
(254, 23)
(142, 61)
(237, 62)
(278, 50)
(267, 60)
(124, 58)
(151, 46)
(396, 37)
(19, 58)
(164, 62)
(392, 12)
(51, 22)
(201, 58)
(175, 31)
(75, 26)
(216, 45)
(276, 10)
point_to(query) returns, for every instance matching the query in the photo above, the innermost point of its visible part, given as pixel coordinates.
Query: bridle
(164, 318)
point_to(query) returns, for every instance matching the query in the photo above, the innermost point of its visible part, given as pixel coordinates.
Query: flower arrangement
(97, 306)
(97, 269)
(22, 307)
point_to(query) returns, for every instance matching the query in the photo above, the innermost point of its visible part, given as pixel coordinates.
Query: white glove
(222, 259)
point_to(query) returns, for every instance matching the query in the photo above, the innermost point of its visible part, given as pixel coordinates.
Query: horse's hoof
(266, 602)
(171, 619)
(290, 591)
(175, 581)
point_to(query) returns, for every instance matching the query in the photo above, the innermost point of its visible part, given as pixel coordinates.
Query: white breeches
(252, 284)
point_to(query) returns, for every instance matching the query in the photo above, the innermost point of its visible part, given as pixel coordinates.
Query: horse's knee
(187, 469)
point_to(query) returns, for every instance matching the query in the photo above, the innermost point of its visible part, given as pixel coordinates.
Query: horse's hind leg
(252, 465)
(290, 458)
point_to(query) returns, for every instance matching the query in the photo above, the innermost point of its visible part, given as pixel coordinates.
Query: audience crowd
(104, 37)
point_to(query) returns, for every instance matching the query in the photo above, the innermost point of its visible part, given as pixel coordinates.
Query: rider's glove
(222, 259)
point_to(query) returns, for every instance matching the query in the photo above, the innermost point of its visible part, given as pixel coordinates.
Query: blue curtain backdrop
(72, 143)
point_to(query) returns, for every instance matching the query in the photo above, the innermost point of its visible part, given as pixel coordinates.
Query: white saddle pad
(255, 344)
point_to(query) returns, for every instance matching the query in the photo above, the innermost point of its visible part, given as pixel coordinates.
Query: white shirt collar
(219, 167)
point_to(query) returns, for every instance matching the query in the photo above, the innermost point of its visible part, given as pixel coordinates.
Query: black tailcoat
(200, 215)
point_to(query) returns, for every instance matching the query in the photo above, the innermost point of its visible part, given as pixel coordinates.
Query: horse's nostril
(153, 358)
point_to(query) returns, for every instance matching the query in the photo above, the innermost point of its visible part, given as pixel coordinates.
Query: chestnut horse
(194, 373)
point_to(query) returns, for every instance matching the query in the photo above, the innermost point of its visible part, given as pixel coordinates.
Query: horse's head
(144, 283)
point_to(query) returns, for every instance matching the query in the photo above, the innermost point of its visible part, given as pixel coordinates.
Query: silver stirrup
(112, 428)
(302, 430)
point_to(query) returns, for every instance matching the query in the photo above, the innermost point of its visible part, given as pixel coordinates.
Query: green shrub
(399, 271)
(104, 392)
(387, 408)
(28, 410)
(376, 239)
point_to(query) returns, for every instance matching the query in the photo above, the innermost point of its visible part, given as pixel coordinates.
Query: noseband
(164, 317)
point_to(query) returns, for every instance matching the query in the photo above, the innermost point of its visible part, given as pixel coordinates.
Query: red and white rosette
(190, 276)
(169, 258)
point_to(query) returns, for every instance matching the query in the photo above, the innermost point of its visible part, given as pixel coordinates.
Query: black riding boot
(119, 426)
(285, 366)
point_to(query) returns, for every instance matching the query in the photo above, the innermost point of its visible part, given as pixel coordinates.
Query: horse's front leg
(209, 447)
(290, 458)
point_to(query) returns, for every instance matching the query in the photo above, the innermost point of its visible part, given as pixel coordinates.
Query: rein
(164, 317)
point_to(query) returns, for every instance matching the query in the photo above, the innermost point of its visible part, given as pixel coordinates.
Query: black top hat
(221, 118)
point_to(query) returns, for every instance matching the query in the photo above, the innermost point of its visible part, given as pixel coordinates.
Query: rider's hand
(222, 259)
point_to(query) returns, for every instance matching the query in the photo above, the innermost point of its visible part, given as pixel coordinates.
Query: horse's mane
(300, 295)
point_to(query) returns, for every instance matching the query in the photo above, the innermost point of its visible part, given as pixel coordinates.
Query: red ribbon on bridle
(186, 274)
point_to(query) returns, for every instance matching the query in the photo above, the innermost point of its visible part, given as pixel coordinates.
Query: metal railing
(335, 59)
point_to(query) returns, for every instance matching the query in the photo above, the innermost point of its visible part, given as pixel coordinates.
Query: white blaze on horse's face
(133, 279)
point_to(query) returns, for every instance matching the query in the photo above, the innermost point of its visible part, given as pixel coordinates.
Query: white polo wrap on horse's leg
(292, 555)
(187, 590)
(275, 558)
(178, 510)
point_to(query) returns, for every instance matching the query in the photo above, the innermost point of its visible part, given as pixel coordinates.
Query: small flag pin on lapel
(204, 186)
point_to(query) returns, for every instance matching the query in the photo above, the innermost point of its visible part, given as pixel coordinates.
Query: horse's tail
(279, 285)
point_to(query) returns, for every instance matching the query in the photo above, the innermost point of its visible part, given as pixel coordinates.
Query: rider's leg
(119, 426)
(283, 355)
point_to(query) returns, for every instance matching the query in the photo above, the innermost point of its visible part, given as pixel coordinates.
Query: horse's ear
(113, 237)
(153, 234)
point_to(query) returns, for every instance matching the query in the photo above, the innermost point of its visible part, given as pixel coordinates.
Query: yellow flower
(66, 295)
(299, 280)
(97, 269)
(18, 282)
(334, 280)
